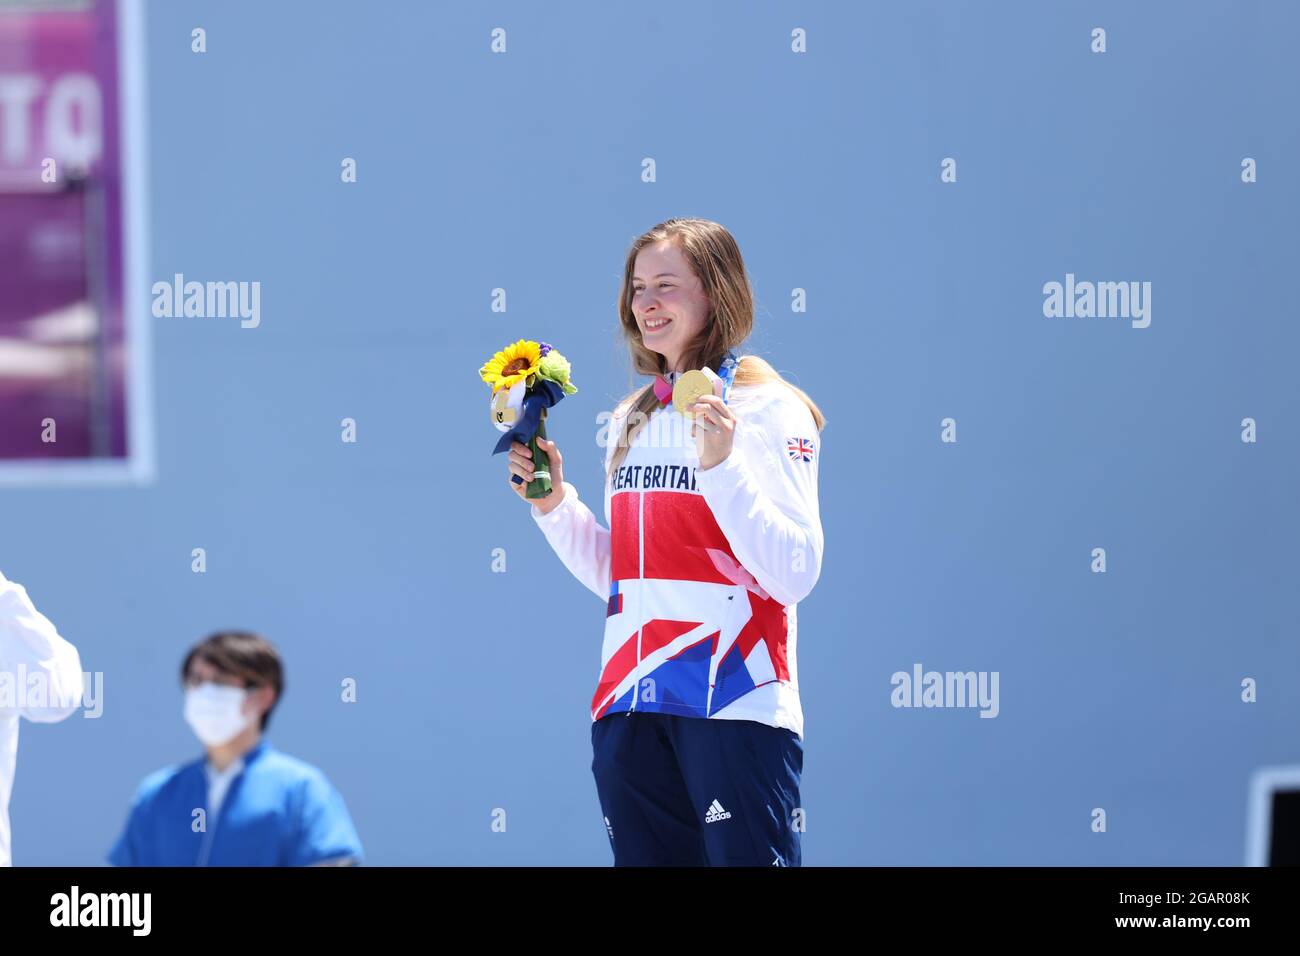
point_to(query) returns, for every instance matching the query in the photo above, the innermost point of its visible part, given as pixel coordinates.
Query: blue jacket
(279, 811)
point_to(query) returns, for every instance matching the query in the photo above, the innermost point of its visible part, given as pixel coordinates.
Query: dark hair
(242, 654)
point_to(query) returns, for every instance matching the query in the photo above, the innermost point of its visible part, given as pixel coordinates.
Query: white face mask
(215, 712)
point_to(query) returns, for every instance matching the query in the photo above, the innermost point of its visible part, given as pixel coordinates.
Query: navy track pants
(691, 791)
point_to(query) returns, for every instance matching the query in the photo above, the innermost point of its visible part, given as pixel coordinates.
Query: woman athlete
(714, 536)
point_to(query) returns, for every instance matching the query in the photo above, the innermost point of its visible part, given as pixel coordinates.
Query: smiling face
(668, 301)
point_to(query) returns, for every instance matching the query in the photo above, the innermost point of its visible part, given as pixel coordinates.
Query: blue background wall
(373, 561)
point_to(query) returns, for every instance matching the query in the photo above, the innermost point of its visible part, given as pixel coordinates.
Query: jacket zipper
(205, 849)
(640, 543)
(209, 835)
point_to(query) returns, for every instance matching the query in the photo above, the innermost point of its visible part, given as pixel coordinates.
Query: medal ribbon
(727, 372)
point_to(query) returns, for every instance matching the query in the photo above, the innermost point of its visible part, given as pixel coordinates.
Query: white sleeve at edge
(28, 638)
(579, 539)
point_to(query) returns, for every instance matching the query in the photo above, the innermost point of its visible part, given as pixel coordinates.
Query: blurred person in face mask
(245, 803)
(40, 680)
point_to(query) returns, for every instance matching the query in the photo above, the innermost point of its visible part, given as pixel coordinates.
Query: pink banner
(64, 356)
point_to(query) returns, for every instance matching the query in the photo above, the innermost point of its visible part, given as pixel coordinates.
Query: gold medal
(688, 389)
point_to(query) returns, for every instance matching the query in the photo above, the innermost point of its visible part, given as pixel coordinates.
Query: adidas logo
(609, 828)
(716, 813)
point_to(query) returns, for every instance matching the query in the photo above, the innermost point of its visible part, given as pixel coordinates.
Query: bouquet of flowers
(527, 378)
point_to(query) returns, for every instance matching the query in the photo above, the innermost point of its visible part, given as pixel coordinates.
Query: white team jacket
(40, 679)
(702, 570)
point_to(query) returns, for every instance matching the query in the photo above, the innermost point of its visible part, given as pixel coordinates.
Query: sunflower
(514, 363)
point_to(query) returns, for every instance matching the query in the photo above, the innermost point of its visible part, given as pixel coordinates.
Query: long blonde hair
(715, 258)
